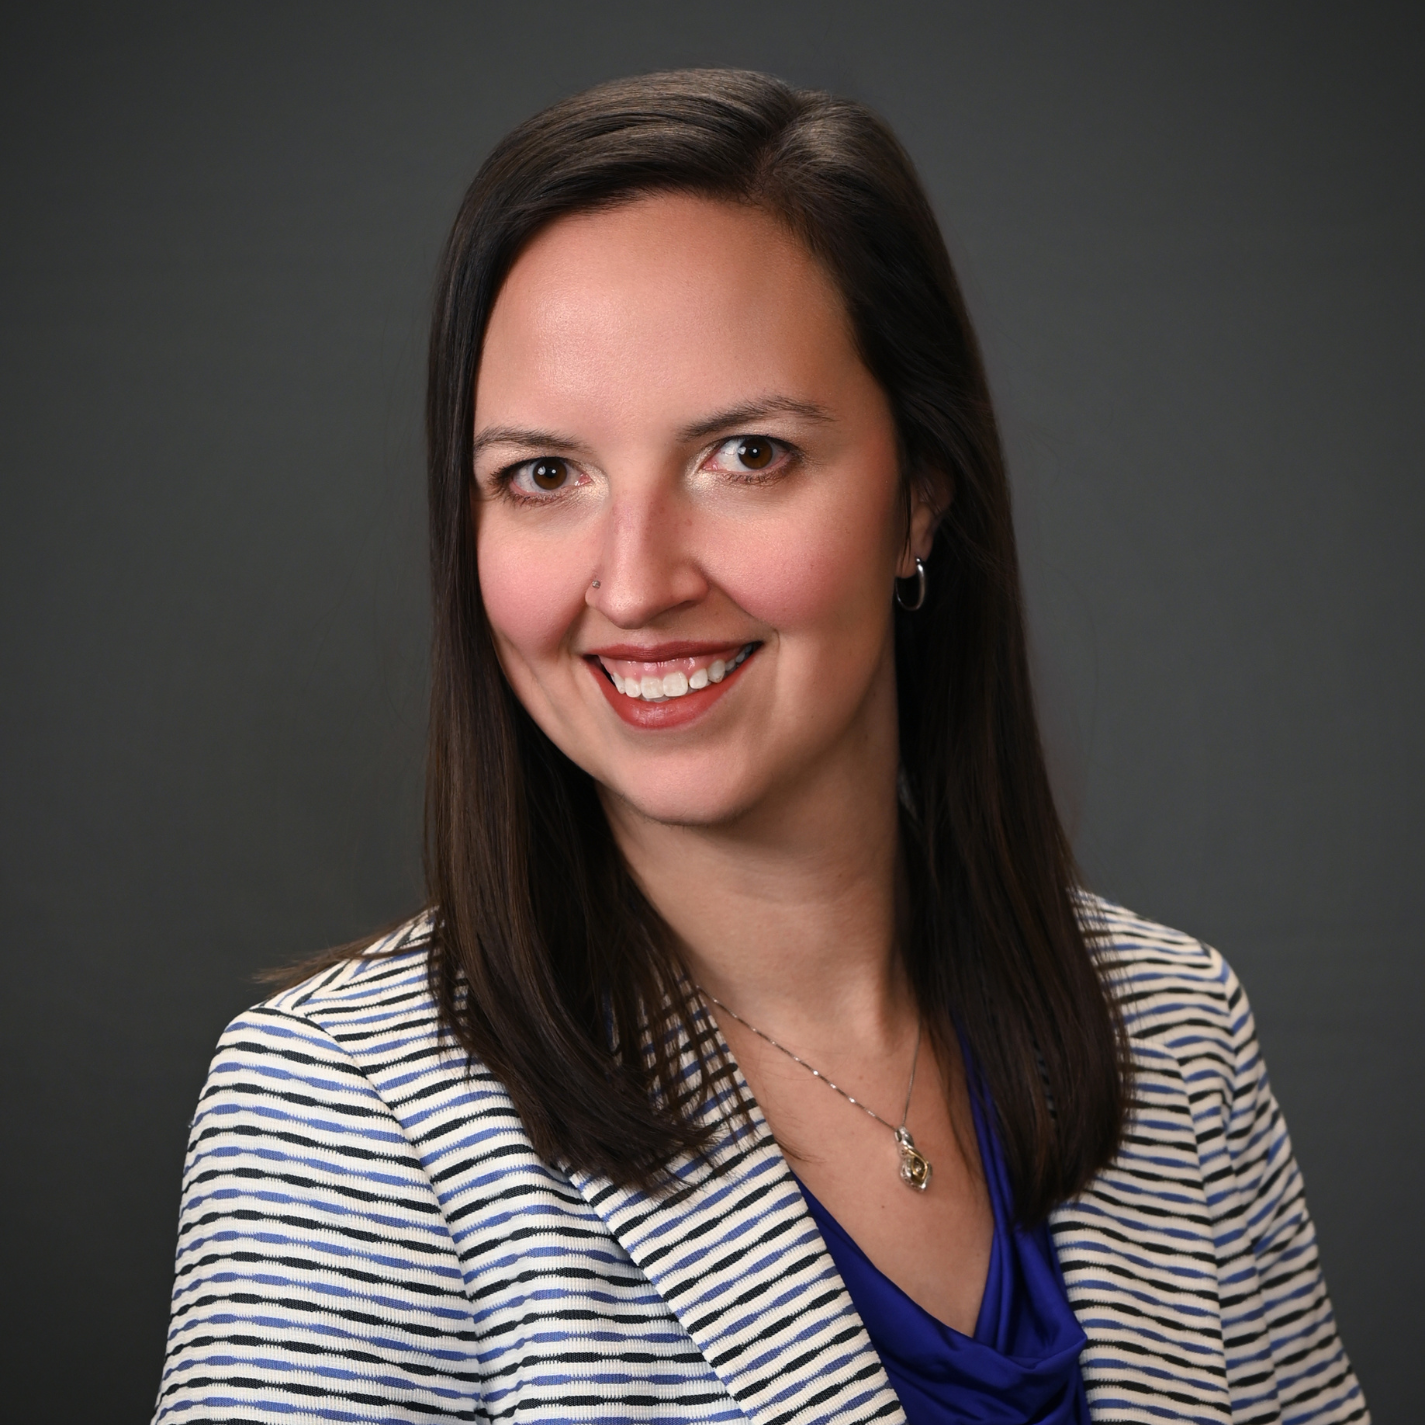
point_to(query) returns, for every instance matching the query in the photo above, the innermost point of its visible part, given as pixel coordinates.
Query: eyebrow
(754, 410)
(526, 439)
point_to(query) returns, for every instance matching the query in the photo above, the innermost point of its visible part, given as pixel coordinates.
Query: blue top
(1021, 1367)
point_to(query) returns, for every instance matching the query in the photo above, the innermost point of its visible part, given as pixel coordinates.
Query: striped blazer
(368, 1235)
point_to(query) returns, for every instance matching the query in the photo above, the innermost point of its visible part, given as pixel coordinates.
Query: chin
(686, 798)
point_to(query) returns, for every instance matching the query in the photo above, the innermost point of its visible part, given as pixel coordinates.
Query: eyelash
(503, 482)
(787, 455)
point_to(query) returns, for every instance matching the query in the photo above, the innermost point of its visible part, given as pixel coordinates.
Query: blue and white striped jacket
(368, 1235)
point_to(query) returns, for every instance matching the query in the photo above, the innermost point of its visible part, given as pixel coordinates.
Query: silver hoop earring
(919, 590)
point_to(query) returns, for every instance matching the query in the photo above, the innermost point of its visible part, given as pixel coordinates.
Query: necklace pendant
(915, 1166)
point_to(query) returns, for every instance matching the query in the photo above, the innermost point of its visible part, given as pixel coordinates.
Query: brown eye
(549, 473)
(755, 452)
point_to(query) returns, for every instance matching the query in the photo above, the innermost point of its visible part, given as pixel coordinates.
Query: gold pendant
(915, 1166)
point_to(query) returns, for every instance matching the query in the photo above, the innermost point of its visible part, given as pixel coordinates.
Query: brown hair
(547, 962)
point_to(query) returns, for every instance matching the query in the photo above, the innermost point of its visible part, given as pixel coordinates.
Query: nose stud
(595, 584)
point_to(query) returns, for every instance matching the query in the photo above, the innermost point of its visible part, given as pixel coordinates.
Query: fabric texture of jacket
(368, 1235)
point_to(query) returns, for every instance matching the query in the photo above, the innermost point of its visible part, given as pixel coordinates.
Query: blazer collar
(735, 1253)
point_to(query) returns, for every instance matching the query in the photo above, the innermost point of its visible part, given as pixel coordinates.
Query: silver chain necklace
(915, 1166)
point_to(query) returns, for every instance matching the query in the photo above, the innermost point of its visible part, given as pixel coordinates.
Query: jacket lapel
(734, 1252)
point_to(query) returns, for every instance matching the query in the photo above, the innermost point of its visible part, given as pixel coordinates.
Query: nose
(647, 564)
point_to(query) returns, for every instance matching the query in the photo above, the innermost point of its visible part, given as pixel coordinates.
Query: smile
(644, 681)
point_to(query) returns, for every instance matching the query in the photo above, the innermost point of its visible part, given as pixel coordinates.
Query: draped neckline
(1021, 1365)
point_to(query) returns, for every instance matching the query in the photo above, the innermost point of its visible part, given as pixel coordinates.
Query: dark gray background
(1192, 238)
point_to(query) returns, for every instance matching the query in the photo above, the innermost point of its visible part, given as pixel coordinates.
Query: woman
(732, 727)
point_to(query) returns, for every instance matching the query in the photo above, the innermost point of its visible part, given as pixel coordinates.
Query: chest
(720, 1301)
(935, 1243)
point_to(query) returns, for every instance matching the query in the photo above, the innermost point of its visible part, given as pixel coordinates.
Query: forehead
(684, 297)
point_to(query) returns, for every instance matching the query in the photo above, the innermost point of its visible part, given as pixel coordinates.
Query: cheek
(830, 570)
(533, 590)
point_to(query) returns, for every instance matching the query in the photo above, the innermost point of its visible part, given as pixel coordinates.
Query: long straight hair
(547, 961)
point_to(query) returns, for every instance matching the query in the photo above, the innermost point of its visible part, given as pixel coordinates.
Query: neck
(789, 913)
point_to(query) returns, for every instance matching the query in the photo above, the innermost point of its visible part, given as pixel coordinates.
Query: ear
(930, 498)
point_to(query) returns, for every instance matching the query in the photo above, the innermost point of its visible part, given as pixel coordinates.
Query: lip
(675, 712)
(664, 652)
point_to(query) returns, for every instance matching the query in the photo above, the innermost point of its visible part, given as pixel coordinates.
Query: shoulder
(314, 1254)
(359, 1048)
(368, 1024)
(378, 993)
(1190, 1257)
(1178, 996)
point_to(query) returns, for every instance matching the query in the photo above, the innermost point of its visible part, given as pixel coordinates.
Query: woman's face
(687, 508)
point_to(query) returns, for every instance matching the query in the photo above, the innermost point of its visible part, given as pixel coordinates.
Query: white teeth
(677, 684)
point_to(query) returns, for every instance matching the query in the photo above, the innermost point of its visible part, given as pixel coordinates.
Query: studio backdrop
(1192, 238)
